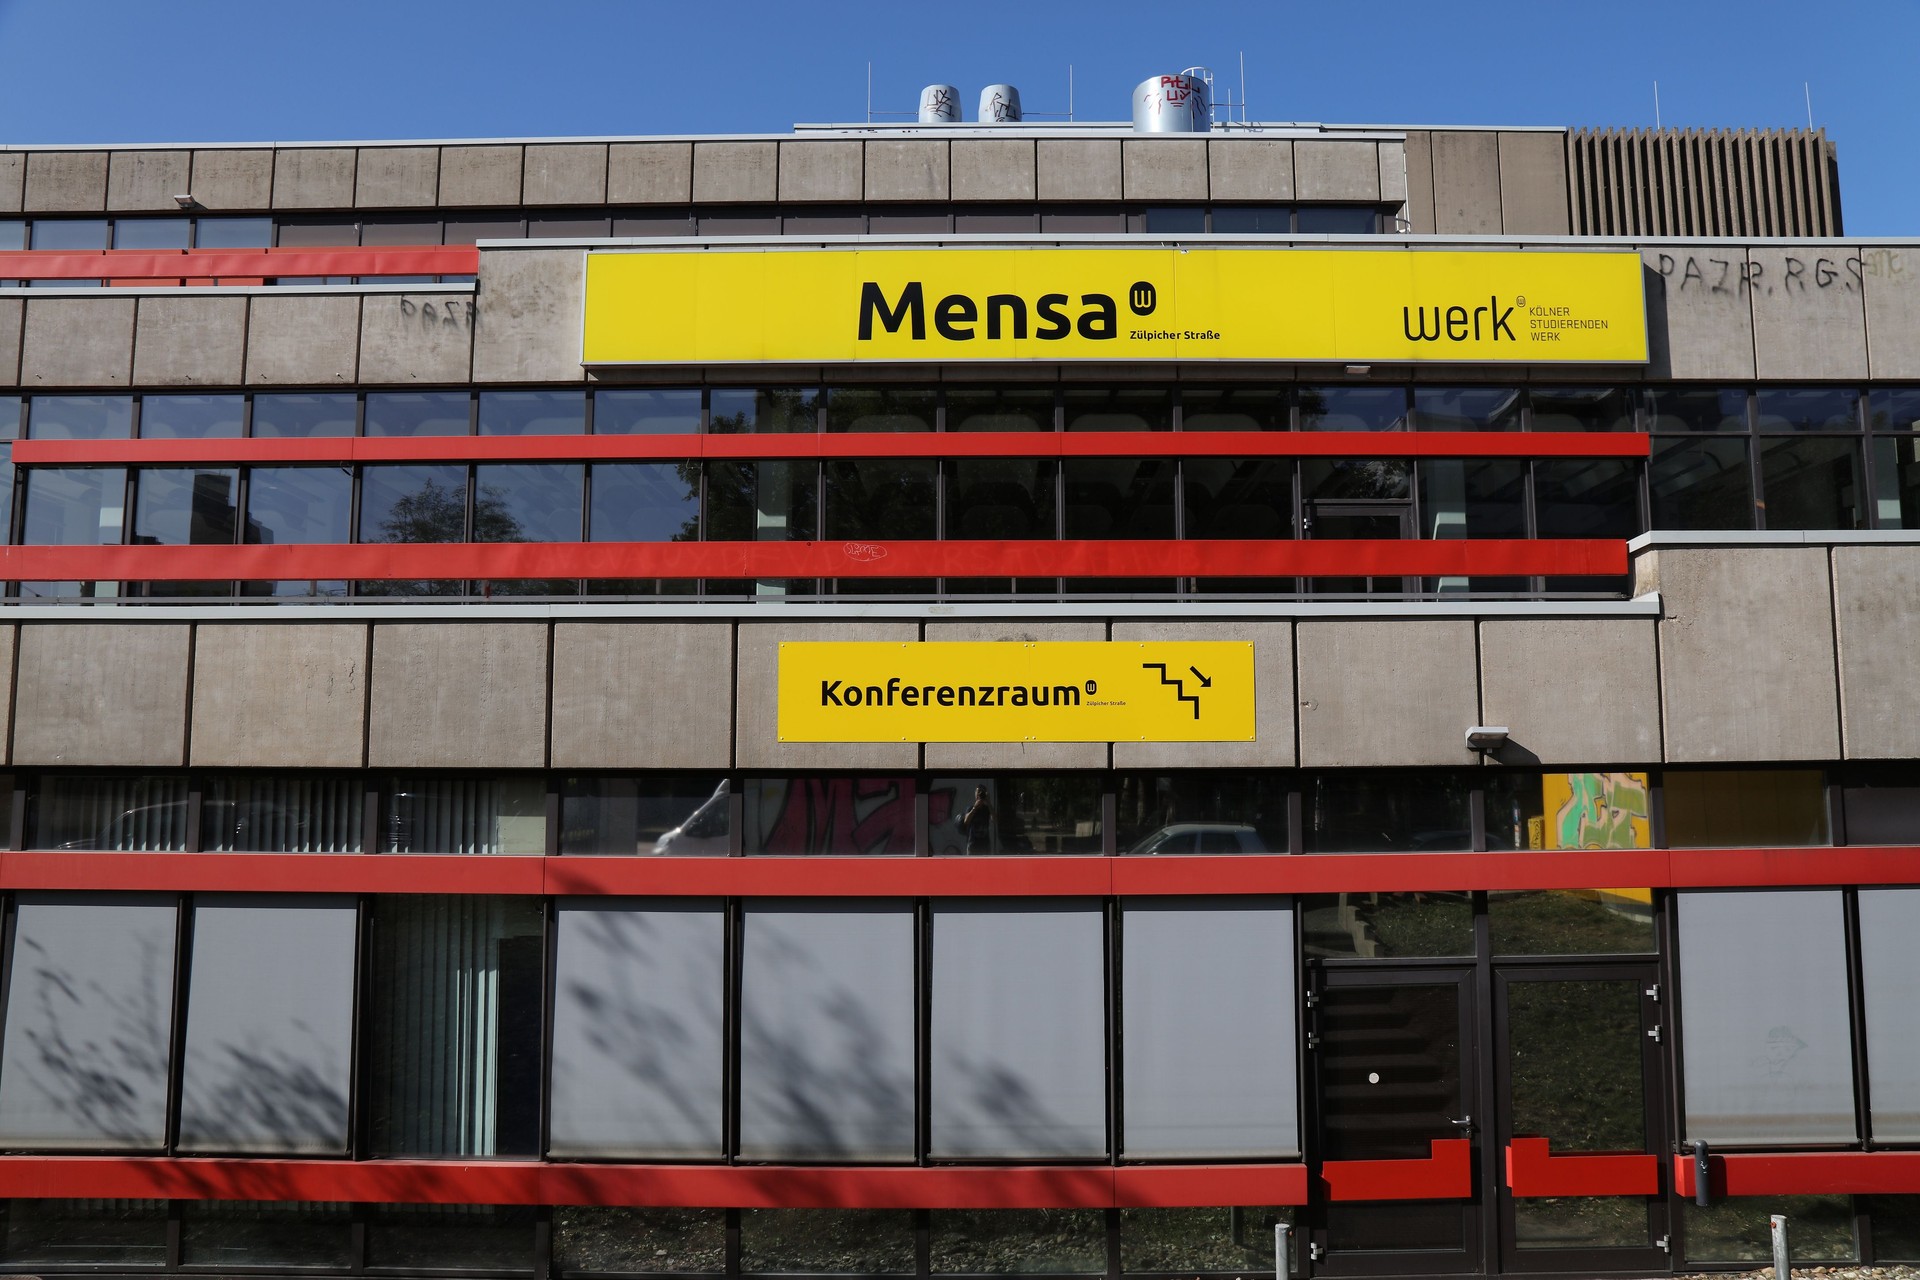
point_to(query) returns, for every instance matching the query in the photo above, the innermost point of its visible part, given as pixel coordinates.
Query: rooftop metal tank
(939, 104)
(999, 104)
(1174, 104)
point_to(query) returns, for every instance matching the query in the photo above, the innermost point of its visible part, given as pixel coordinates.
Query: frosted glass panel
(1767, 1050)
(1019, 1031)
(1209, 1032)
(1890, 969)
(826, 1032)
(638, 1044)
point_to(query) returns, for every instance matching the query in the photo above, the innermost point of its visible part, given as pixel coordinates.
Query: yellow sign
(1391, 304)
(1016, 691)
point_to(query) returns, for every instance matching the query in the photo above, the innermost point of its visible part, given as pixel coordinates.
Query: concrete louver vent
(1693, 182)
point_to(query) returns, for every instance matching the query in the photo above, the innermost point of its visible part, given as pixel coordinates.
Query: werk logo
(1459, 323)
(957, 317)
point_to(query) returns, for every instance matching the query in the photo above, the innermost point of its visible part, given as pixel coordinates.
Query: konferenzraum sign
(1016, 691)
(757, 304)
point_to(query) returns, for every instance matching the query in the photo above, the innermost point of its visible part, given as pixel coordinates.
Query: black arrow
(1204, 682)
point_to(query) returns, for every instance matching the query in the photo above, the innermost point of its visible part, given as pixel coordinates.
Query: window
(75, 506)
(1207, 812)
(192, 417)
(413, 503)
(1253, 219)
(644, 502)
(233, 233)
(1018, 1242)
(1890, 974)
(802, 1241)
(1582, 409)
(1123, 410)
(1023, 409)
(1228, 498)
(651, 813)
(879, 409)
(761, 501)
(1708, 808)
(298, 505)
(1119, 497)
(1000, 499)
(1812, 483)
(1807, 409)
(1233, 410)
(1701, 484)
(305, 416)
(634, 413)
(1697, 409)
(629, 1241)
(465, 814)
(883, 499)
(123, 813)
(1467, 408)
(533, 413)
(180, 506)
(1473, 498)
(418, 413)
(1353, 408)
(152, 233)
(829, 814)
(1337, 220)
(528, 501)
(80, 417)
(774, 410)
(1384, 811)
(1017, 813)
(293, 813)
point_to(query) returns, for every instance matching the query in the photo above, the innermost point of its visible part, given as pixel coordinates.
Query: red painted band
(1035, 558)
(1446, 1175)
(1532, 1170)
(691, 1186)
(125, 266)
(945, 444)
(1804, 1173)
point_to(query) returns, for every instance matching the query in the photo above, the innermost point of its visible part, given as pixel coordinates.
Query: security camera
(1486, 737)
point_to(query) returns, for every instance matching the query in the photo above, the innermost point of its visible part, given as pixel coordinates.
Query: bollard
(1702, 1179)
(1282, 1250)
(1777, 1224)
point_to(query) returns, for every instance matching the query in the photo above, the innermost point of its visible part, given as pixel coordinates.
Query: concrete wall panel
(112, 694)
(566, 173)
(1534, 195)
(1164, 168)
(527, 320)
(1273, 711)
(416, 338)
(1573, 691)
(397, 177)
(820, 170)
(1876, 593)
(642, 695)
(459, 695)
(756, 737)
(1809, 320)
(1746, 654)
(650, 173)
(1344, 171)
(1466, 183)
(479, 177)
(1419, 146)
(1891, 280)
(991, 168)
(1386, 693)
(232, 181)
(313, 178)
(303, 341)
(12, 314)
(78, 342)
(1250, 168)
(9, 641)
(1698, 322)
(984, 756)
(147, 180)
(735, 172)
(1077, 168)
(13, 181)
(66, 182)
(1393, 172)
(252, 682)
(190, 342)
(906, 170)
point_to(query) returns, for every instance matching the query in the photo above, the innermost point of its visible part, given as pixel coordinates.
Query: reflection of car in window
(702, 833)
(1203, 837)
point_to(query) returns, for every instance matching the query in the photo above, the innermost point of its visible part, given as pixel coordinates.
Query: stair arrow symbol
(1204, 682)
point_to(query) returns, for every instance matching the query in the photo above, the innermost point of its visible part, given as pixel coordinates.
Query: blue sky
(92, 71)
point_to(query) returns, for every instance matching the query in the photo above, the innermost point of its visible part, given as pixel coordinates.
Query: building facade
(426, 850)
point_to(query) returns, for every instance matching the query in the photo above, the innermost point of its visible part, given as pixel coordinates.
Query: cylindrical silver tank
(1172, 104)
(999, 104)
(939, 104)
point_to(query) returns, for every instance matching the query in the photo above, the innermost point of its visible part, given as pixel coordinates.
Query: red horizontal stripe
(693, 1186)
(1533, 1170)
(1037, 558)
(1446, 1175)
(1804, 1173)
(127, 266)
(896, 877)
(945, 444)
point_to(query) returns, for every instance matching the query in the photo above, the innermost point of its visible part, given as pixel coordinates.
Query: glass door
(1347, 521)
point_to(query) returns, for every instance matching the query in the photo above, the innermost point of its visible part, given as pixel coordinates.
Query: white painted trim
(1659, 538)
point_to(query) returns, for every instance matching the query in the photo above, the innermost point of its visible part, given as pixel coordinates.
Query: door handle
(1464, 1124)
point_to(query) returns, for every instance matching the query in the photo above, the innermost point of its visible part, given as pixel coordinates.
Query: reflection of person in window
(977, 823)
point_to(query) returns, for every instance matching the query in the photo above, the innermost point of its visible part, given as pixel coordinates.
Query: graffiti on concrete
(1739, 276)
(1597, 811)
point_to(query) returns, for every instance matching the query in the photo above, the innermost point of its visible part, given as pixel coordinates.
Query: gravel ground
(1842, 1272)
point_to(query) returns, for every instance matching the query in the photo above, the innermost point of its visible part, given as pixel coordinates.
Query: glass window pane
(1588, 497)
(180, 506)
(1697, 409)
(528, 501)
(318, 233)
(651, 813)
(269, 1043)
(151, 233)
(69, 233)
(191, 417)
(305, 416)
(13, 234)
(1473, 498)
(1701, 484)
(299, 505)
(1896, 1227)
(880, 498)
(638, 1043)
(1228, 498)
(417, 413)
(1467, 408)
(639, 1241)
(1737, 1229)
(75, 1233)
(452, 1236)
(453, 1029)
(733, 411)
(533, 413)
(1202, 1079)
(651, 222)
(1807, 409)
(1208, 812)
(645, 502)
(1019, 409)
(1119, 497)
(1890, 973)
(124, 813)
(997, 499)
(12, 417)
(1896, 483)
(827, 1032)
(1201, 1241)
(1078, 220)
(1018, 1030)
(1234, 410)
(1353, 408)
(1338, 220)
(266, 1233)
(1177, 219)
(880, 408)
(1731, 808)
(89, 1027)
(1363, 478)
(761, 501)
(413, 503)
(80, 417)
(1812, 484)
(1383, 926)
(1582, 409)
(233, 233)
(829, 815)
(75, 506)
(1574, 1054)
(1051, 813)
(1893, 409)
(1882, 804)
(464, 814)
(1018, 1242)
(1122, 410)
(645, 413)
(1569, 811)
(1356, 811)
(1253, 219)
(868, 1242)
(389, 229)
(1767, 1050)
(296, 813)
